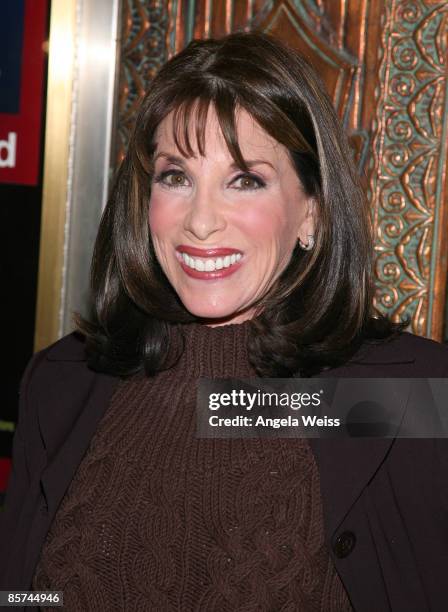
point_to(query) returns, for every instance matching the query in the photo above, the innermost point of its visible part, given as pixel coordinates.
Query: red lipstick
(215, 252)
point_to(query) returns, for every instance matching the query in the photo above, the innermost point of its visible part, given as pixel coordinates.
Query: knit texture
(157, 519)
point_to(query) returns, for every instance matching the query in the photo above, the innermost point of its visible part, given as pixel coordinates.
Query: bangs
(190, 117)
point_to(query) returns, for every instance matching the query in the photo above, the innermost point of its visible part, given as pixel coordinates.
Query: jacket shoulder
(430, 358)
(422, 347)
(70, 347)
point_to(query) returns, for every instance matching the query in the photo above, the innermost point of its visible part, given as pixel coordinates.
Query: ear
(309, 221)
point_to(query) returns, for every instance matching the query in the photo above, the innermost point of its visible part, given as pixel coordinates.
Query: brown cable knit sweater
(157, 519)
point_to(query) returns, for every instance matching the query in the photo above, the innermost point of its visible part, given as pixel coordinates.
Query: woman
(236, 243)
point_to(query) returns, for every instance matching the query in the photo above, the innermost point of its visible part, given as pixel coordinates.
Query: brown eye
(173, 179)
(249, 182)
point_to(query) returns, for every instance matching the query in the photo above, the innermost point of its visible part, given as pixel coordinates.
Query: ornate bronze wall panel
(408, 166)
(384, 64)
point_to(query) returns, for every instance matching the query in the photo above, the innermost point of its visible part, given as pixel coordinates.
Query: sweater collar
(219, 351)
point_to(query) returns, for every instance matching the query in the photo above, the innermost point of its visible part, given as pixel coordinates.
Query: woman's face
(223, 236)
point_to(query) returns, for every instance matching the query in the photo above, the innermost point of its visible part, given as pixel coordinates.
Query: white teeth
(208, 264)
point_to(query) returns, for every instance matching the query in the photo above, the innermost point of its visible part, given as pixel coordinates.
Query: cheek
(160, 215)
(265, 223)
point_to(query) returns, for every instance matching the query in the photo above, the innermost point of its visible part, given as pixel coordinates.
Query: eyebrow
(174, 159)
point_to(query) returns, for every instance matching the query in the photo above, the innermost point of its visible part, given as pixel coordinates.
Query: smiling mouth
(209, 264)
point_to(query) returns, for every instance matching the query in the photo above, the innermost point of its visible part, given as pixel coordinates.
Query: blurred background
(72, 73)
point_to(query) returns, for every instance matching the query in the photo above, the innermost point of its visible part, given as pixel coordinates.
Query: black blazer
(385, 500)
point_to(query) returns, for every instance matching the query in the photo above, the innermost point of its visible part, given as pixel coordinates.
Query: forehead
(252, 138)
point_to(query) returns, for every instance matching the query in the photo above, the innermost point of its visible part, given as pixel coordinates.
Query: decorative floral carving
(143, 50)
(408, 151)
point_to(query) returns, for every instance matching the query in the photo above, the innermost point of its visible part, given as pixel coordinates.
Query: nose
(205, 214)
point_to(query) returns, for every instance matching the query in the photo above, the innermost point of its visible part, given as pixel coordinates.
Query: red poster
(22, 36)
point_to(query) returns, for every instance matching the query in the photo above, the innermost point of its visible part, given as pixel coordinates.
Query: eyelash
(160, 178)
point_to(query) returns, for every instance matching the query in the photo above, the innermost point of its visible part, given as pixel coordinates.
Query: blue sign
(11, 45)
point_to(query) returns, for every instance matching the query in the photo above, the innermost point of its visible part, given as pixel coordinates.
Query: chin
(212, 313)
(216, 315)
(209, 311)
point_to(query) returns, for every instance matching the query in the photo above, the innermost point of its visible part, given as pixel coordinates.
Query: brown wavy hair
(320, 310)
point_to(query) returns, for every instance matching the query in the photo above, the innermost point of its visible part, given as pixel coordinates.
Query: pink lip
(195, 252)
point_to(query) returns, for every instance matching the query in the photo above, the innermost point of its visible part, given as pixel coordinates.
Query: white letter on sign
(10, 146)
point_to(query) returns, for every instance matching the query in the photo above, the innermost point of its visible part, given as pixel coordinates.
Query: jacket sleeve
(21, 471)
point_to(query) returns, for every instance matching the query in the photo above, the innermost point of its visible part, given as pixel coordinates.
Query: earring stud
(310, 245)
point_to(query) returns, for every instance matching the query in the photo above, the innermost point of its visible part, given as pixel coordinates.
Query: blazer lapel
(68, 413)
(345, 467)
(346, 464)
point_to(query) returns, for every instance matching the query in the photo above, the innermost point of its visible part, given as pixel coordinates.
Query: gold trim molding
(56, 171)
